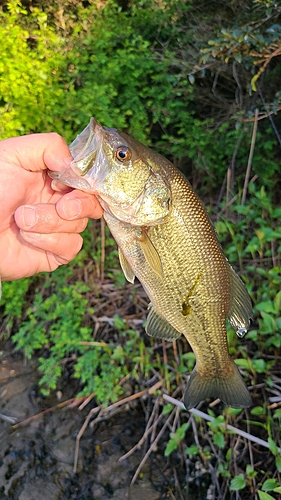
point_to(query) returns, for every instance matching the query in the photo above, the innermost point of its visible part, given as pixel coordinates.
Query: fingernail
(72, 208)
(29, 216)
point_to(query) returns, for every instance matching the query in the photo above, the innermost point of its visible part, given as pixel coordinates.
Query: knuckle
(56, 138)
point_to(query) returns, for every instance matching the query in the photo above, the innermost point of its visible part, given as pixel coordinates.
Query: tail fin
(231, 389)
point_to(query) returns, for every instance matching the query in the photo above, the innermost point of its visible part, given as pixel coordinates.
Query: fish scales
(175, 240)
(166, 239)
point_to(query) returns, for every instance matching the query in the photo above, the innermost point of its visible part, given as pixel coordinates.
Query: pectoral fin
(158, 327)
(126, 268)
(150, 253)
(240, 311)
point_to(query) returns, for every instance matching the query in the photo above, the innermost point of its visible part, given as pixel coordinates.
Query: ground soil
(37, 458)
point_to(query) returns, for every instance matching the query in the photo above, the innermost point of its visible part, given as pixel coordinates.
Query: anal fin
(159, 327)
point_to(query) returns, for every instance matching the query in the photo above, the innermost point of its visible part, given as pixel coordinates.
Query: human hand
(39, 226)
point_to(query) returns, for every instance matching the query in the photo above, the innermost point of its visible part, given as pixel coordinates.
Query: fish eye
(123, 153)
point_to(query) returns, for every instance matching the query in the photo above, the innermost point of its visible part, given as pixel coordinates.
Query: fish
(166, 239)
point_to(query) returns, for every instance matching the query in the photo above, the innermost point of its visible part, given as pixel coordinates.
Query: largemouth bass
(166, 239)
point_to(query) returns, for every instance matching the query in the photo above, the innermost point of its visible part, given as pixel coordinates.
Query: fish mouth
(85, 150)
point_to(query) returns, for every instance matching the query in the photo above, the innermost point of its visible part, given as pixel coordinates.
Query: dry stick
(102, 226)
(231, 172)
(86, 401)
(148, 430)
(152, 447)
(270, 118)
(93, 343)
(268, 114)
(106, 410)
(27, 420)
(151, 390)
(251, 455)
(154, 427)
(247, 176)
(203, 415)
(80, 434)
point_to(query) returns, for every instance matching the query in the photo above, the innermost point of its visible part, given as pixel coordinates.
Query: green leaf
(182, 430)
(277, 413)
(250, 472)
(266, 306)
(277, 490)
(268, 324)
(167, 409)
(244, 363)
(218, 438)
(170, 447)
(278, 463)
(277, 302)
(259, 365)
(270, 484)
(253, 82)
(238, 57)
(272, 446)
(258, 410)
(192, 450)
(265, 496)
(237, 483)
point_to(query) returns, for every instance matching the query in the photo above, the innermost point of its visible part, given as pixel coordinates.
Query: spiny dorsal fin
(240, 310)
(158, 327)
(150, 253)
(126, 268)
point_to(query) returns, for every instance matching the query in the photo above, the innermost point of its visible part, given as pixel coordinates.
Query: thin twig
(270, 118)
(48, 410)
(86, 401)
(80, 434)
(251, 457)
(107, 410)
(252, 148)
(150, 390)
(201, 414)
(149, 428)
(152, 447)
(93, 343)
(6, 418)
(102, 226)
(231, 172)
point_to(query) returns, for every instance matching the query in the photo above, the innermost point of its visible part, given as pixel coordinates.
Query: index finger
(37, 152)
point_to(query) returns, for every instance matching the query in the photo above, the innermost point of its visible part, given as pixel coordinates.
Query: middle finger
(44, 218)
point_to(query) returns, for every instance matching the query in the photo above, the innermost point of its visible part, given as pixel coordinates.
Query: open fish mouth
(86, 150)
